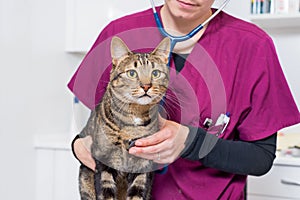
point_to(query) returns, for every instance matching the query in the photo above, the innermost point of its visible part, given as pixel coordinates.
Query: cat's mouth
(145, 95)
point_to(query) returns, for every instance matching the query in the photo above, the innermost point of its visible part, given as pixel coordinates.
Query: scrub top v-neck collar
(182, 58)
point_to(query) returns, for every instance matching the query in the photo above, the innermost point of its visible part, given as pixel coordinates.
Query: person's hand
(163, 146)
(82, 150)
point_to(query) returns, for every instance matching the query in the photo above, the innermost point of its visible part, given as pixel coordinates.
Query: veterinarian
(227, 129)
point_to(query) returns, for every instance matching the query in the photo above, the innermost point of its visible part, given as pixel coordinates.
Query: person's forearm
(239, 157)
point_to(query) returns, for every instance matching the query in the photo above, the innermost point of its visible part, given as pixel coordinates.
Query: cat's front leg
(105, 184)
(86, 183)
(139, 186)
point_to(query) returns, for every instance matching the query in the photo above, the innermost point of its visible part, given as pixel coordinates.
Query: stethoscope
(175, 39)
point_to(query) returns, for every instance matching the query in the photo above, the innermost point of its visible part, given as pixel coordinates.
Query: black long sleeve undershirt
(238, 157)
(247, 158)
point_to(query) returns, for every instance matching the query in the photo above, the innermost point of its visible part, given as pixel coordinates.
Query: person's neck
(178, 27)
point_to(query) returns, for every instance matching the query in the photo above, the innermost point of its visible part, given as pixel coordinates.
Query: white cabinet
(56, 169)
(282, 182)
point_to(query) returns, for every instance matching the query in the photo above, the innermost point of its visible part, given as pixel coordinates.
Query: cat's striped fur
(127, 111)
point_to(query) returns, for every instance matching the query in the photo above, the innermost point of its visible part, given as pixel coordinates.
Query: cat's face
(139, 78)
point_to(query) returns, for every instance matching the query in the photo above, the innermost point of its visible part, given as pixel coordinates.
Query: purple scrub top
(233, 68)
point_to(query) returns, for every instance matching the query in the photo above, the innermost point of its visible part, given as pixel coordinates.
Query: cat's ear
(163, 49)
(118, 49)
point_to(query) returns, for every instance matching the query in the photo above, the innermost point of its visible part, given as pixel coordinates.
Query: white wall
(34, 71)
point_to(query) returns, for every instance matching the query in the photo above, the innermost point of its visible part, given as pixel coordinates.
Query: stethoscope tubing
(175, 39)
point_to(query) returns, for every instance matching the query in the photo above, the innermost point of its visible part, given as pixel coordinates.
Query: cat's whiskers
(175, 100)
(172, 104)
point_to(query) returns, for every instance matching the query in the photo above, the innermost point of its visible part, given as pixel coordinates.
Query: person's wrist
(197, 137)
(182, 137)
(190, 141)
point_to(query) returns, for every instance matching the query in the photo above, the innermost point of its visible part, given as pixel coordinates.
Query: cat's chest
(133, 118)
(141, 120)
(137, 121)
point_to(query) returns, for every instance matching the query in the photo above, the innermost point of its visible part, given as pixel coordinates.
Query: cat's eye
(156, 74)
(131, 73)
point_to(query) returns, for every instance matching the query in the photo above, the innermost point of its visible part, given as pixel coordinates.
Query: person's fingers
(163, 146)
(154, 139)
(160, 152)
(163, 157)
(141, 149)
(82, 149)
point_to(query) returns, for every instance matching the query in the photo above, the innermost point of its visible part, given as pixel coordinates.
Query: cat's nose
(146, 87)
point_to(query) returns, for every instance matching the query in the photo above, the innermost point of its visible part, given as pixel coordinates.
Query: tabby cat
(127, 111)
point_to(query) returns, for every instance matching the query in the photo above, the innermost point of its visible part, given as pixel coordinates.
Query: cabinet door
(44, 174)
(282, 181)
(56, 175)
(66, 169)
